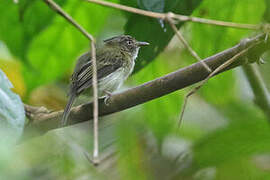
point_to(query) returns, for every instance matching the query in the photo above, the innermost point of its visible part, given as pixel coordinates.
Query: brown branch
(154, 89)
(176, 16)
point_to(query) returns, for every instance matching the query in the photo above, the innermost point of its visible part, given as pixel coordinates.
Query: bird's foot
(107, 98)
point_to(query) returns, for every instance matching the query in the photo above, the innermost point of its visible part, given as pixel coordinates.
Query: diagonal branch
(217, 70)
(186, 44)
(62, 13)
(153, 89)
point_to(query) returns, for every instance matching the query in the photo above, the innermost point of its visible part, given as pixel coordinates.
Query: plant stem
(260, 91)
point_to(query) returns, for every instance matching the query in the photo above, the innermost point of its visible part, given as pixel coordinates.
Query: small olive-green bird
(115, 62)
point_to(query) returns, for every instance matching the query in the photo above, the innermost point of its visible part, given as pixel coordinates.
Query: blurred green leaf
(154, 31)
(241, 168)
(49, 50)
(11, 112)
(246, 135)
(265, 69)
(131, 155)
(21, 22)
(267, 11)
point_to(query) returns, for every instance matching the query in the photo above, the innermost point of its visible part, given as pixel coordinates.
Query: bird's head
(125, 43)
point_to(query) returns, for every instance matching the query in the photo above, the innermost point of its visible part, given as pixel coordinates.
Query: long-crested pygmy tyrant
(115, 62)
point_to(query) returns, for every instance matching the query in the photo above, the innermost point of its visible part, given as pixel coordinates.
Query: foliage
(267, 11)
(44, 40)
(11, 113)
(224, 134)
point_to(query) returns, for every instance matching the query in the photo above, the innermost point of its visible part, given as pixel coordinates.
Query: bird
(115, 60)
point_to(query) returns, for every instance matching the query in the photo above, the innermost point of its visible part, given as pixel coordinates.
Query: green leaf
(267, 11)
(152, 30)
(21, 22)
(131, 150)
(34, 32)
(11, 112)
(247, 134)
(241, 168)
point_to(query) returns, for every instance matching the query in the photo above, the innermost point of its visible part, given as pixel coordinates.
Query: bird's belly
(113, 81)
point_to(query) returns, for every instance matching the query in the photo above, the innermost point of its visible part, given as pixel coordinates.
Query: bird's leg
(107, 98)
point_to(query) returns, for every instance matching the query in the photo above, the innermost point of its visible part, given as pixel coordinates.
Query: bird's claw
(107, 98)
(261, 61)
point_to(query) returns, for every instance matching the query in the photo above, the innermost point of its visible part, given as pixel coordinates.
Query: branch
(261, 94)
(186, 44)
(216, 71)
(95, 107)
(178, 17)
(153, 89)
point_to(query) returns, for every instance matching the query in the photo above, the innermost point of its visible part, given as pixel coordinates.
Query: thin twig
(61, 12)
(217, 22)
(217, 70)
(182, 39)
(129, 9)
(176, 16)
(258, 86)
(95, 111)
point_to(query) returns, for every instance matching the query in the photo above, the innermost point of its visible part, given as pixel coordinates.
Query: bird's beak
(139, 43)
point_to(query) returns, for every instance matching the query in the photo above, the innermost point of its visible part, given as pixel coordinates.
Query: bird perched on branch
(115, 62)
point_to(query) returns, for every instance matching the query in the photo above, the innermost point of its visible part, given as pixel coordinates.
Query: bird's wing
(83, 78)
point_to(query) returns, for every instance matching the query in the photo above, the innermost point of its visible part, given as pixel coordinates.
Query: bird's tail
(67, 109)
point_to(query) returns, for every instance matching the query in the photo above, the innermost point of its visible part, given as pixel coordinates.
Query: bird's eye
(129, 42)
